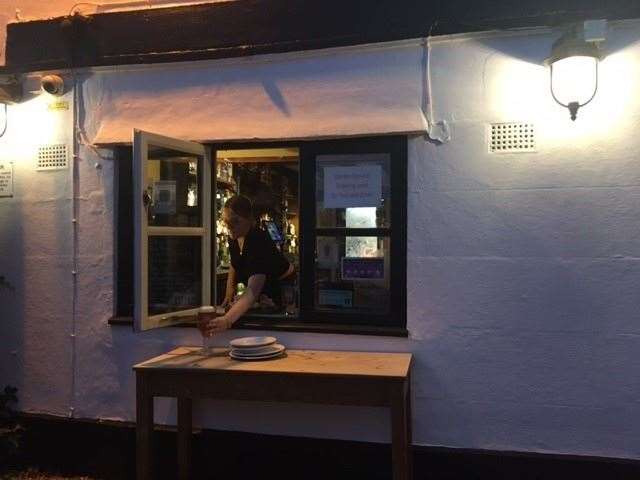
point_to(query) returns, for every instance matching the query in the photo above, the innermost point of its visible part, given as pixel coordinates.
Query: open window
(269, 178)
(335, 208)
(172, 230)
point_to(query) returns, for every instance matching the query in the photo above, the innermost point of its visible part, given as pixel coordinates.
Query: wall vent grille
(512, 138)
(52, 157)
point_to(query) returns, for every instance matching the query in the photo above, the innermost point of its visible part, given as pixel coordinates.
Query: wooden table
(336, 378)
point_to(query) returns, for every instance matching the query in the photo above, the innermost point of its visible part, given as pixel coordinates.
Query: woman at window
(255, 262)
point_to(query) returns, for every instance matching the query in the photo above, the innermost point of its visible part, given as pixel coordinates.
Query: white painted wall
(36, 252)
(523, 275)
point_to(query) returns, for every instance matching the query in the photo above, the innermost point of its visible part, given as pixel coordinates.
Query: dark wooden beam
(250, 27)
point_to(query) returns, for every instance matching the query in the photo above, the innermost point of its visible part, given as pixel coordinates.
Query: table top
(295, 362)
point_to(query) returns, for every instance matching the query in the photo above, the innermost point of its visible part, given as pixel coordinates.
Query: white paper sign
(164, 197)
(335, 298)
(346, 187)
(327, 252)
(6, 179)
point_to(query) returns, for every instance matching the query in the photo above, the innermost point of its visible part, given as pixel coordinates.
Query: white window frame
(142, 231)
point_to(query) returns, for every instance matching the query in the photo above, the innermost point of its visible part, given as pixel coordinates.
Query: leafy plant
(10, 429)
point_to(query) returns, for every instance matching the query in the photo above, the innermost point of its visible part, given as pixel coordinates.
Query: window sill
(292, 326)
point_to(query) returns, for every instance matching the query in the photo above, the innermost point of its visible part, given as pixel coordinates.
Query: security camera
(53, 84)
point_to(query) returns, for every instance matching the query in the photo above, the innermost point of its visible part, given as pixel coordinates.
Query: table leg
(184, 438)
(144, 429)
(401, 433)
(409, 430)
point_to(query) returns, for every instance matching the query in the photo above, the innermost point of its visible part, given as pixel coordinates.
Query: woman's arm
(244, 303)
(230, 291)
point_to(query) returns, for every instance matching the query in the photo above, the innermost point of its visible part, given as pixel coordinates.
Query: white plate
(263, 357)
(252, 342)
(254, 351)
(268, 350)
(275, 353)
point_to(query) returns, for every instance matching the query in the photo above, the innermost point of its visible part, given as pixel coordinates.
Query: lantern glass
(574, 79)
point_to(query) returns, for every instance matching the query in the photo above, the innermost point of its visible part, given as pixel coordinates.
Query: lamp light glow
(574, 72)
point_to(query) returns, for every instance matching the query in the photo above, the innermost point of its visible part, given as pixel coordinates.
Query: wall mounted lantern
(574, 65)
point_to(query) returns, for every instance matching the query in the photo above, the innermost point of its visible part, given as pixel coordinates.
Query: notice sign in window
(348, 187)
(335, 298)
(362, 268)
(164, 197)
(6, 179)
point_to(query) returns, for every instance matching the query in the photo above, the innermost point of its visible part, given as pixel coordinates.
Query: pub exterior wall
(523, 272)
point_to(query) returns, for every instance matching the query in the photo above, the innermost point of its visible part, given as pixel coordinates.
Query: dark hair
(241, 206)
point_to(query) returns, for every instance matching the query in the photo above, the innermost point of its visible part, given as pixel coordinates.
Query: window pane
(173, 184)
(175, 274)
(269, 178)
(353, 191)
(352, 274)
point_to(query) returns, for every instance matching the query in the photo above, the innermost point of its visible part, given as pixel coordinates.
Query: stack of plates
(255, 348)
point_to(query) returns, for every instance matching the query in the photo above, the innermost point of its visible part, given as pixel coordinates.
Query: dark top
(259, 255)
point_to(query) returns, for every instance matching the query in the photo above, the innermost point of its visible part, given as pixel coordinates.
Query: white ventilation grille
(512, 138)
(52, 157)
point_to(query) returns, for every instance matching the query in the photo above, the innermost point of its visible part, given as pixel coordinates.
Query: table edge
(141, 367)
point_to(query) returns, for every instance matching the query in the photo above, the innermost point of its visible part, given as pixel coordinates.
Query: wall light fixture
(573, 65)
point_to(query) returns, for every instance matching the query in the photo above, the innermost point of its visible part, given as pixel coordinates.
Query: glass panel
(353, 191)
(269, 178)
(352, 274)
(173, 183)
(175, 274)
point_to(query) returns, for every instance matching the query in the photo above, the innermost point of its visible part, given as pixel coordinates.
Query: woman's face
(238, 226)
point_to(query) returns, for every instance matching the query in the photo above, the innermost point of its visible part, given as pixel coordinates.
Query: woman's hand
(216, 325)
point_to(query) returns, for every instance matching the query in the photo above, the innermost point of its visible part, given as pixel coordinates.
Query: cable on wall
(437, 130)
(6, 120)
(79, 138)
(75, 188)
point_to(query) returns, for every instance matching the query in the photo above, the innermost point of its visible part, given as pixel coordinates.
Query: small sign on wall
(6, 179)
(58, 105)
